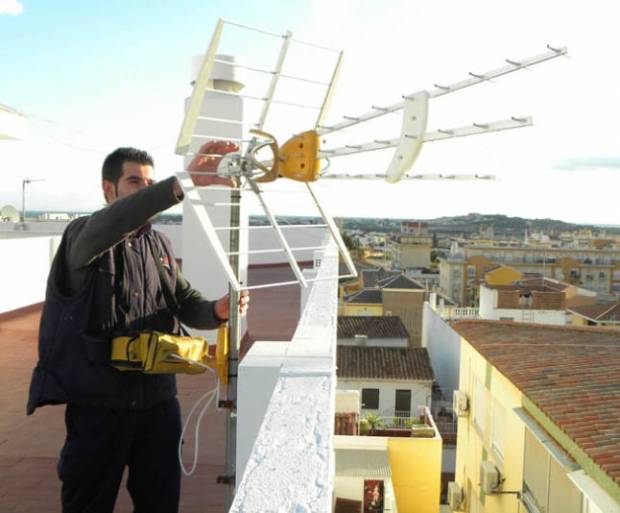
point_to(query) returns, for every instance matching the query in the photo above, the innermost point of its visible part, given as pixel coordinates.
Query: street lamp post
(25, 182)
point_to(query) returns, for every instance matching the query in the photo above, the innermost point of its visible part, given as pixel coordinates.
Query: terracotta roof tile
(603, 312)
(371, 326)
(383, 363)
(572, 374)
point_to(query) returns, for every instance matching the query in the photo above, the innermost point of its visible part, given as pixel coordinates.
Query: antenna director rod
(440, 90)
(438, 135)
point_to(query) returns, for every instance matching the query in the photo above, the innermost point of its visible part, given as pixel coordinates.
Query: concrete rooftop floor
(29, 446)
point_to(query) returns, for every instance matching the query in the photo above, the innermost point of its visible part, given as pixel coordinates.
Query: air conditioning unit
(490, 478)
(460, 403)
(456, 498)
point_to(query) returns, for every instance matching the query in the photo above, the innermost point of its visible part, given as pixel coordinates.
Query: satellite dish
(9, 214)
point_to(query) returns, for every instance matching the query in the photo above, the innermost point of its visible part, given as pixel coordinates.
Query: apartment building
(538, 411)
(412, 247)
(464, 267)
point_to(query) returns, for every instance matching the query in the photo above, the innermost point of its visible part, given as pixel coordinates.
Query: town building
(356, 330)
(412, 247)
(392, 381)
(538, 411)
(535, 300)
(603, 315)
(465, 267)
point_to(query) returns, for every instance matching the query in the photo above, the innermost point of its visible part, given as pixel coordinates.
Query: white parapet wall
(26, 262)
(443, 345)
(285, 421)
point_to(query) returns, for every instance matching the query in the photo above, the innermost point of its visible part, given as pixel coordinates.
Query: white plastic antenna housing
(415, 114)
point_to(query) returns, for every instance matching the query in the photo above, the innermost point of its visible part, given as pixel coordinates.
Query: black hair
(112, 168)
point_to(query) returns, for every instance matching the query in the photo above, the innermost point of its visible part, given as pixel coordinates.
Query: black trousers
(101, 442)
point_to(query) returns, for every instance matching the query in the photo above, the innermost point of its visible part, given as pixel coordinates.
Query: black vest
(122, 295)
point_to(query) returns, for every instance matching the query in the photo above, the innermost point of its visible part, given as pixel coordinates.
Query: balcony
(398, 458)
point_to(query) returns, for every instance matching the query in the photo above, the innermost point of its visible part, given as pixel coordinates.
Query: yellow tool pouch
(161, 353)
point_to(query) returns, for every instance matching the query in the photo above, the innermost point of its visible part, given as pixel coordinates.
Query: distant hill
(471, 223)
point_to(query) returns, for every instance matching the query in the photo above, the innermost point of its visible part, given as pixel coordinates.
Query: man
(108, 279)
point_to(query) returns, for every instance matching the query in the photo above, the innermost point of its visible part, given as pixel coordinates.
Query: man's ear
(109, 190)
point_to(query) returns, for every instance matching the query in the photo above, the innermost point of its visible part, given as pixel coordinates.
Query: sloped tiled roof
(604, 312)
(383, 363)
(371, 326)
(371, 296)
(400, 282)
(571, 374)
(372, 277)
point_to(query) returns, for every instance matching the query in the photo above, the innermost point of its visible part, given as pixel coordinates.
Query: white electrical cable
(210, 395)
(215, 392)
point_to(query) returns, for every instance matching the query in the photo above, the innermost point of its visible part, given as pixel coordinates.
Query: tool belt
(161, 353)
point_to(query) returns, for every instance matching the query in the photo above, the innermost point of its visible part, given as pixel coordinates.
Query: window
(370, 398)
(480, 405)
(499, 425)
(402, 402)
(546, 486)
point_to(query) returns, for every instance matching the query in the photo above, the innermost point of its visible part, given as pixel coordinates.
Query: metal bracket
(227, 404)
(225, 479)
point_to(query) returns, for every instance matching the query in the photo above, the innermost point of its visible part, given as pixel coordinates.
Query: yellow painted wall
(416, 473)
(503, 275)
(475, 443)
(362, 309)
(577, 320)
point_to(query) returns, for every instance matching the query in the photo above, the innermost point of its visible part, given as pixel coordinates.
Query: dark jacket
(105, 282)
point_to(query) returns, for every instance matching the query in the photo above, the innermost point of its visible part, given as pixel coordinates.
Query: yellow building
(406, 468)
(538, 419)
(463, 269)
(364, 302)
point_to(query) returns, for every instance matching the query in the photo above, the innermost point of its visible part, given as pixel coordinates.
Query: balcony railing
(449, 313)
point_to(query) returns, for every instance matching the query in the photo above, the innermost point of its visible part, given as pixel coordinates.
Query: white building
(392, 381)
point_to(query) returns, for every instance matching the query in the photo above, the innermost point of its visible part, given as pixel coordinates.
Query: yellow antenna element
(299, 157)
(221, 354)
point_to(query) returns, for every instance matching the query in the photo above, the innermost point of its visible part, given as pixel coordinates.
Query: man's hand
(222, 305)
(207, 162)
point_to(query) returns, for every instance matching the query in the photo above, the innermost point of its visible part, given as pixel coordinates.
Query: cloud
(591, 163)
(13, 7)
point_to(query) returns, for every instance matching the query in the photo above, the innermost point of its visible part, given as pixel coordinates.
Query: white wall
(25, 266)
(488, 310)
(348, 401)
(443, 345)
(420, 394)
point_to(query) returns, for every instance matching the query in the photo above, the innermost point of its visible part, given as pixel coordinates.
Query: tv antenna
(299, 158)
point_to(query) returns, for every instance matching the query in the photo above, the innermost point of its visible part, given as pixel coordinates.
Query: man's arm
(110, 225)
(195, 311)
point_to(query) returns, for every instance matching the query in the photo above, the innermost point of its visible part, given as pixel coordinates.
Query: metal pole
(233, 352)
(24, 182)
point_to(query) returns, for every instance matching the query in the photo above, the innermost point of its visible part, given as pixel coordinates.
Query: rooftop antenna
(299, 160)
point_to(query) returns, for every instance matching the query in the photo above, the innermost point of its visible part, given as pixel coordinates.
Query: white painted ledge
(290, 467)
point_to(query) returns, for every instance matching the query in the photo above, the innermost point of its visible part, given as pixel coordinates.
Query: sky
(94, 76)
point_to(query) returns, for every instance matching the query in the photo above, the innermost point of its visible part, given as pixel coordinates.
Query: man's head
(125, 171)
